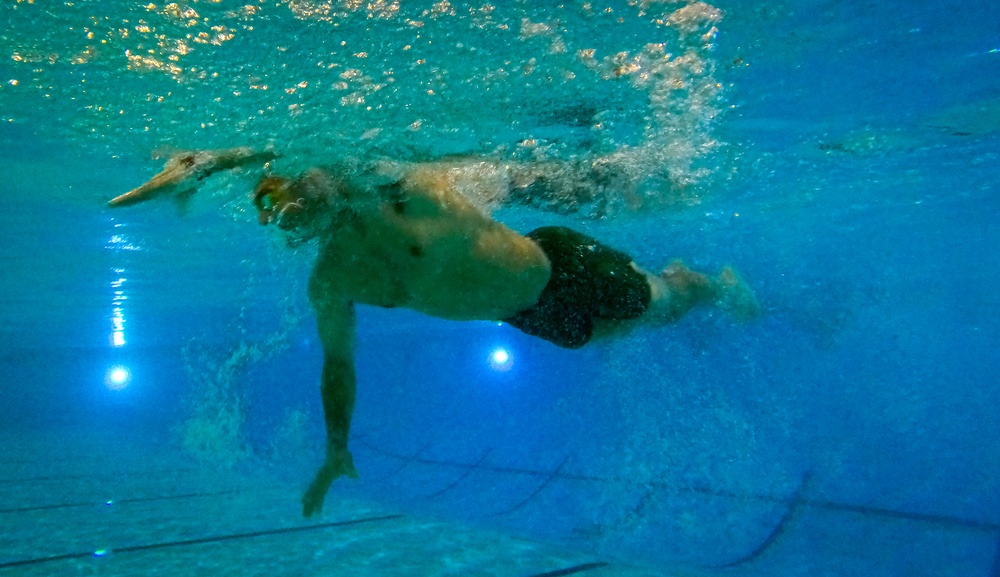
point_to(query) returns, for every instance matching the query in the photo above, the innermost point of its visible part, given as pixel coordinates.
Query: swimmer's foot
(341, 464)
(677, 289)
(734, 295)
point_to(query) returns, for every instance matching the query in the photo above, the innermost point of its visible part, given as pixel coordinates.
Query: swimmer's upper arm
(426, 189)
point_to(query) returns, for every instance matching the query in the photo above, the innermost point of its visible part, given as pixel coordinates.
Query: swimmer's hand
(339, 464)
(185, 170)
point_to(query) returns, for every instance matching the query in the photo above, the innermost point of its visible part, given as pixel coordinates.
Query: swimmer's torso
(418, 244)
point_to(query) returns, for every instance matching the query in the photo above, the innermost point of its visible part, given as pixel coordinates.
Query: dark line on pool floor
(571, 570)
(253, 534)
(198, 541)
(779, 528)
(548, 481)
(41, 560)
(46, 478)
(406, 462)
(864, 510)
(102, 475)
(465, 474)
(115, 502)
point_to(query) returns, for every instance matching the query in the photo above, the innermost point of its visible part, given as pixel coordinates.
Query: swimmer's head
(278, 203)
(304, 207)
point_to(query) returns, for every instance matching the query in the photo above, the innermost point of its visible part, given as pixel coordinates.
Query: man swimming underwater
(419, 236)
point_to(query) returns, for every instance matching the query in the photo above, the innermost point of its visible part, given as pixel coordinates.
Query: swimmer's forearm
(184, 171)
(339, 390)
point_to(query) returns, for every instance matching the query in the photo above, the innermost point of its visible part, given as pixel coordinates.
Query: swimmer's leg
(678, 289)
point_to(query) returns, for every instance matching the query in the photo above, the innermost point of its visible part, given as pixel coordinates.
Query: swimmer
(419, 236)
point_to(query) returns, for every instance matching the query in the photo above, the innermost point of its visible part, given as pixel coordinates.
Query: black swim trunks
(589, 281)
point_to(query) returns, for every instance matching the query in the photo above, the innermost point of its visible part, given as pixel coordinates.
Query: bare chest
(433, 267)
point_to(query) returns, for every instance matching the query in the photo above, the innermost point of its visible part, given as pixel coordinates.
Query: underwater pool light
(501, 360)
(117, 378)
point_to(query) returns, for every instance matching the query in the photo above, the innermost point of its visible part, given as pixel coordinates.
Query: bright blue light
(117, 378)
(501, 359)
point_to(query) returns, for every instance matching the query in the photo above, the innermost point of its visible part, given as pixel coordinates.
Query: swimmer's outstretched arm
(335, 320)
(185, 170)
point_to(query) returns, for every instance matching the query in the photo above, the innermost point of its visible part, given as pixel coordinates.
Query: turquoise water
(842, 155)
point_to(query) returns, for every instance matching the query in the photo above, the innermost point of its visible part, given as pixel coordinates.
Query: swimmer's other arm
(185, 170)
(335, 319)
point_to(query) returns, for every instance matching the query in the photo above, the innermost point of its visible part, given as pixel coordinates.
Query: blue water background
(870, 381)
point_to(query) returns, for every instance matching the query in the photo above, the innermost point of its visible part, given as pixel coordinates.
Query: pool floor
(86, 506)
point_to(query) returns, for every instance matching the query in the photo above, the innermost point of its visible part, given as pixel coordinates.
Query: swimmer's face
(277, 203)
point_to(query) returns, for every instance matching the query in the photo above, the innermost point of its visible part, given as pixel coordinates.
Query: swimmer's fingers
(179, 169)
(156, 186)
(340, 466)
(312, 501)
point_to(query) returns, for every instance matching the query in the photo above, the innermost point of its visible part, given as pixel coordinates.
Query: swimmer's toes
(736, 296)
